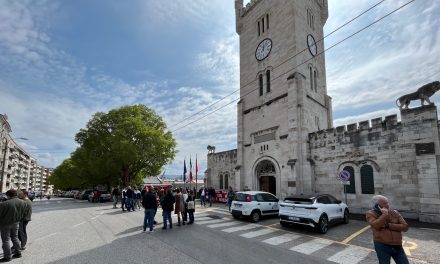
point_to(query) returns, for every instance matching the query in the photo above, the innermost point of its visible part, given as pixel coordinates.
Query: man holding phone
(387, 226)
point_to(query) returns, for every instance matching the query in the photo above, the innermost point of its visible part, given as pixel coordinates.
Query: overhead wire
(318, 54)
(282, 63)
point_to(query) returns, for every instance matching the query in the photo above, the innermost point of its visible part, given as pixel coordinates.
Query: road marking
(350, 255)
(348, 239)
(239, 228)
(210, 221)
(58, 201)
(224, 224)
(41, 238)
(408, 246)
(93, 218)
(258, 233)
(281, 239)
(311, 246)
(78, 224)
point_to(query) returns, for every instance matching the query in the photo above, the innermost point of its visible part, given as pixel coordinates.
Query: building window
(311, 77)
(315, 86)
(226, 181)
(221, 181)
(352, 187)
(258, 28)
(263, 24)
(261, 84)
(367, 179)
(267, 81)
(267, 21)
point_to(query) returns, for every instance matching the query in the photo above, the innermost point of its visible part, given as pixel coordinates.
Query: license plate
(293, 218)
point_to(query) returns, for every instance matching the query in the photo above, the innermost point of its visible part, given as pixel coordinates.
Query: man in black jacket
(149, 202)
(11, 213)
(167, 207)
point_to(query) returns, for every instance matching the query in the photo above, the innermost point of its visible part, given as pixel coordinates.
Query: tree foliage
(117, 146)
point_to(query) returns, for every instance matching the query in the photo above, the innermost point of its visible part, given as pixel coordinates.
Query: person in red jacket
(387, 225)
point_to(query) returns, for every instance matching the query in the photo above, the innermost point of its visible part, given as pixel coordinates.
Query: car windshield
(298, 200)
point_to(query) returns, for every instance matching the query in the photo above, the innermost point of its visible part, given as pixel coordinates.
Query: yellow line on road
(348, 239)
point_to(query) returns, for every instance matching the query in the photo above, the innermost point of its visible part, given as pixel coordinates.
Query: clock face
(311, 44)
(263, 49)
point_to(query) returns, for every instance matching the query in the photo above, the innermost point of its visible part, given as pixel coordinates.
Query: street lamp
(4, 160)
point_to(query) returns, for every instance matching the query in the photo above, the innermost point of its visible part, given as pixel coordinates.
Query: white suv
(316, 210)
(254, 205)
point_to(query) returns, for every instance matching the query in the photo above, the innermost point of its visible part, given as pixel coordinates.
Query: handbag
(191, 205)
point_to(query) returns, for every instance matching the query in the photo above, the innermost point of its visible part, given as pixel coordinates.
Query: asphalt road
(70, 231)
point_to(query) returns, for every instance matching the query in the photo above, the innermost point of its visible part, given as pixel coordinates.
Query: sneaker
(23, 248)
(144, 230)
(151, 231)
(5, 259)
(16, 256)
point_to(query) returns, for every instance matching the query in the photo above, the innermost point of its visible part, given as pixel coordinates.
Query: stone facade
(285, 141)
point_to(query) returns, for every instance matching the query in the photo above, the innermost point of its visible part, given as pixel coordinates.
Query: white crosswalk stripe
(209, 221)
(224, 224)
(281, 239)
(260, 232)
(311, 246)
(204, 218)
(350, 255)
(239, 228)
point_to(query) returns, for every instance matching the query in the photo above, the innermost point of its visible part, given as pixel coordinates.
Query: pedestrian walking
(191, 203)
(11, 213)
(185, 206)
(387, 225)
(179, 208)
(115, 195)
(27, 213)
(167, 207)
(211, 196)
(149, 202)
(129, 194)
(203, 192)
(231, 196)
(123, 199)
(137, 199)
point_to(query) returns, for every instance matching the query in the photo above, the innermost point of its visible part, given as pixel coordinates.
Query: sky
(63, 61)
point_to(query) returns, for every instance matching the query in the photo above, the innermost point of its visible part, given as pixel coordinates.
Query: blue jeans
(149, 218)
(167, 216)
(386, 252)
(202, 200)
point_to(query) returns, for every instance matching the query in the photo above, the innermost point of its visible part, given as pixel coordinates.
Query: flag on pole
(197, 168)
(190, 170)
(184, 170)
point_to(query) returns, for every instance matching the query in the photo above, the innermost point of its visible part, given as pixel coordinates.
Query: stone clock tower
(283, 93)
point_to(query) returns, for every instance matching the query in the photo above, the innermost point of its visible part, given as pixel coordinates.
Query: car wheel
(235, 216)
(322, 225)
(346, 217)
(255, 216)
(284, 224)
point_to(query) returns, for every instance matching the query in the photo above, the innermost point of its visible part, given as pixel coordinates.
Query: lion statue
(423, 93)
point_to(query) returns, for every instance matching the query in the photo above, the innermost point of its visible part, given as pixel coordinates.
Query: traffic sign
(344, 175)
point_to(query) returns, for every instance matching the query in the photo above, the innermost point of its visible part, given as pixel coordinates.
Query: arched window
(352, 187)
(315, 86)
(226, 181)
(367, 179)
(267, 81)
(261, 84)
(221, 181)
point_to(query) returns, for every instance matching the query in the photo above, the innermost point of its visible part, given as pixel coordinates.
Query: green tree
(119, 144)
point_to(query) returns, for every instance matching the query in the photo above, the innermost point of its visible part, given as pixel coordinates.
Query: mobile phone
(377, 209)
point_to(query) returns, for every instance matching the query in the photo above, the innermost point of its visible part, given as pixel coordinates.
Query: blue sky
(62, 61)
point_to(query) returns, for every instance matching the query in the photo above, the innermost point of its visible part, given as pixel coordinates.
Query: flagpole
(197, 169)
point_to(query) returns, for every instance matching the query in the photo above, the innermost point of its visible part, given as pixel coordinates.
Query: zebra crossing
(323, 248)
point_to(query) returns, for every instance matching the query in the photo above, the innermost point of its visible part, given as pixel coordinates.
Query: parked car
(85, 194)
(254, 204)
(316, 210)
(105, 197)
(77, 195)
(31, 195)
(3, 197)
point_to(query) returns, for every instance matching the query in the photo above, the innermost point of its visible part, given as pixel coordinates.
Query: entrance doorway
(265, 171)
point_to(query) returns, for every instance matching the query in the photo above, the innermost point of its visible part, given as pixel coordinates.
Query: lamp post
(4, 160)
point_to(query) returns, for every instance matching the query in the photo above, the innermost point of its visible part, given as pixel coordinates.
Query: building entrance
(266, 177)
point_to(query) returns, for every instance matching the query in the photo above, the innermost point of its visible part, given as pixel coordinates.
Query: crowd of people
(15, 214)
